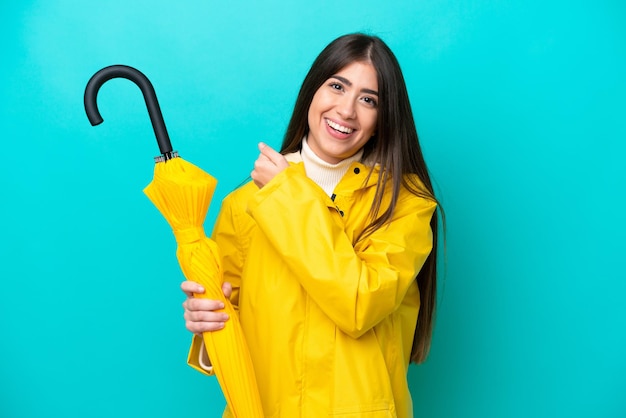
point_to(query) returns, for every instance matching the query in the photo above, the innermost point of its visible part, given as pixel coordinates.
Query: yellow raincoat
(329, 320)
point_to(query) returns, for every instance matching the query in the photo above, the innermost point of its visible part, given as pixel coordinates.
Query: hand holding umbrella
(182, 193)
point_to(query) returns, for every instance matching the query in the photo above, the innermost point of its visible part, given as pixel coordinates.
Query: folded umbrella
(182, 193)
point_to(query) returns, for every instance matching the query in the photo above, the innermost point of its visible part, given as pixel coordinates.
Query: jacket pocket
(362, 387)
(370, 411)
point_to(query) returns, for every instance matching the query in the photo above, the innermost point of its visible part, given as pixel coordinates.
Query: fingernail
(261, 145)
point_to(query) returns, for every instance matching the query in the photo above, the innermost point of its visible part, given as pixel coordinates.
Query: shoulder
(235, 202)
(413, 184)
(414, 196)
(232, 221)
(242, 192)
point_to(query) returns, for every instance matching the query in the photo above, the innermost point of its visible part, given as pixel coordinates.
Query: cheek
(322, 100)
(314, 108)
(311, 118)
(371, 123)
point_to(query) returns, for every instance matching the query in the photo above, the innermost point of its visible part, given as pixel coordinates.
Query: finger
(256, 177)
(190, 288)
(262, 172)
(199, 327)
(207, 305)
(263, 164)
(262, 157)
(202, 316)
(199, 322)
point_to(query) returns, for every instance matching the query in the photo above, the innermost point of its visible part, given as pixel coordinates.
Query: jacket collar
(358, 175)
(294, 157)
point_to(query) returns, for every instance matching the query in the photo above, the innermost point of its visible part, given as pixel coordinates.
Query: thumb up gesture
(268, 165)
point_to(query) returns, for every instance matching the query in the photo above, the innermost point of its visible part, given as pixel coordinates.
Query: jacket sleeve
(232, 236)
(356, 286)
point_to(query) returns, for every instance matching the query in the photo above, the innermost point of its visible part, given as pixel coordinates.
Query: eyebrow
(349, 83)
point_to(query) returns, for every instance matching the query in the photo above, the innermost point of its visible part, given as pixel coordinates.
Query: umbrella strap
(189, 235)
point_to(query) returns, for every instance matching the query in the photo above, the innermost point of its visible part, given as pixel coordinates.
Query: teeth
(339, 128)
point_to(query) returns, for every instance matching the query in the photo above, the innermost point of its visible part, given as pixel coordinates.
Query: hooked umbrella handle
(149, 95)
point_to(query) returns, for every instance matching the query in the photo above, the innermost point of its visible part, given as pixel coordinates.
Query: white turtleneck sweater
(324, 174)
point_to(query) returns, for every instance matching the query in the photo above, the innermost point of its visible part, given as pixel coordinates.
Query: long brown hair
(395, 147)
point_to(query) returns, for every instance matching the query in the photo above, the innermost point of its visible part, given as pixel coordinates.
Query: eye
(370, 101)
(335, 86)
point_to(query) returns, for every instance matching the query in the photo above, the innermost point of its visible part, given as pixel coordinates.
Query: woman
(330, 252)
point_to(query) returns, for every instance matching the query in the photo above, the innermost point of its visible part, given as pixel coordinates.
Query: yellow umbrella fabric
(182, 193)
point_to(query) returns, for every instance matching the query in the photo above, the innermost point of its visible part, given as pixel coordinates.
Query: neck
(324, 174)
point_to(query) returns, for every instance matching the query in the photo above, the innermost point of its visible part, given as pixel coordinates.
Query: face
(343, 112)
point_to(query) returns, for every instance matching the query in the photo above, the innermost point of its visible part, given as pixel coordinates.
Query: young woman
(330, 252)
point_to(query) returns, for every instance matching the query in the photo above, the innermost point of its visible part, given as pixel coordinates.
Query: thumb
(227, 288)
(270, 153)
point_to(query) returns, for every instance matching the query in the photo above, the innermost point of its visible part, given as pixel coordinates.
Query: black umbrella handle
(137, 77)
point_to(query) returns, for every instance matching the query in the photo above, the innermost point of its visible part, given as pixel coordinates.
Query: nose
(345, 107)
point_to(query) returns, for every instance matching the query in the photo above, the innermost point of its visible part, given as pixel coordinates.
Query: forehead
(361, 73)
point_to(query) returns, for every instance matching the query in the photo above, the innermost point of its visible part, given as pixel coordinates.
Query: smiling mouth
(338, 127)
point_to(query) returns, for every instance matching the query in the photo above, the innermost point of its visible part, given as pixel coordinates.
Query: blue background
(521, 109)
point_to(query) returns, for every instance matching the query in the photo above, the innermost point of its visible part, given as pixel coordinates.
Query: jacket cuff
(293, 175)
(198, 357)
